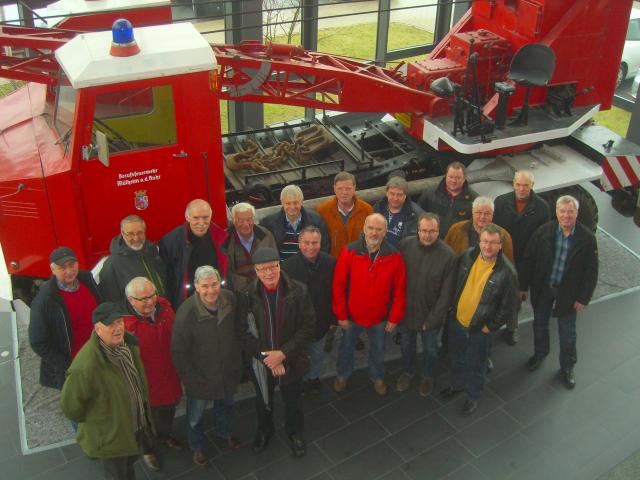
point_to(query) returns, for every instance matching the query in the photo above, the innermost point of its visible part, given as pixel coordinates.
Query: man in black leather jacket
(485, 297)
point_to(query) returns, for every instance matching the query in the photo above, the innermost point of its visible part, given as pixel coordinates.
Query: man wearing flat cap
(106, 394)
(60, 321)
(281, 316)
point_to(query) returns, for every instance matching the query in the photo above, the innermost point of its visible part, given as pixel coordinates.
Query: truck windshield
(137, 118)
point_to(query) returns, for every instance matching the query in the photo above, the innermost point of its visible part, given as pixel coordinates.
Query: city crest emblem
(141, 200)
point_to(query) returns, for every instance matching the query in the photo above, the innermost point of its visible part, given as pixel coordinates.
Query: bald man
(193, 244)
(369, 288)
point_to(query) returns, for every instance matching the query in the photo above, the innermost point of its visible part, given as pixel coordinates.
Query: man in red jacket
(368, 295)
(150, 318)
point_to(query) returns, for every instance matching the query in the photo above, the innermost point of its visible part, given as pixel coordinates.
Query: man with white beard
(132, 255)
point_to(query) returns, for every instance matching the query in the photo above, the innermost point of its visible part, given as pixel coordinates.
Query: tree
(280, 18)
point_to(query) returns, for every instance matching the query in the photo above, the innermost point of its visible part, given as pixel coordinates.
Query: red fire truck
(103, 129)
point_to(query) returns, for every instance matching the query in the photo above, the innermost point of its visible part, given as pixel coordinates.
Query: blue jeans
(223, 411)
(566, 330)
(344, 367)
(429, 350)
(316, 354)
(469, 353)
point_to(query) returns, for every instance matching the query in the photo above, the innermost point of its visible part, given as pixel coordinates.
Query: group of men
(258, 302)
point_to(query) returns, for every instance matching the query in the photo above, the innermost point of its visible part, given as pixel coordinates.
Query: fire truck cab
(130, 133)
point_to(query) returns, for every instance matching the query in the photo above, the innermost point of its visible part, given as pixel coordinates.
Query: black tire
(622, 75)
(588, 211)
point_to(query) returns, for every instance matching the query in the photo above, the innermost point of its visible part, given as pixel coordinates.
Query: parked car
(634, 86)
(630, 61)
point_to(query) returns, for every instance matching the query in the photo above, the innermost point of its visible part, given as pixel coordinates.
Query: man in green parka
(105, 393)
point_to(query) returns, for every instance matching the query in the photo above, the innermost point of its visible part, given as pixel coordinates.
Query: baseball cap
(106, 313)
(61, 255)
(264, 255)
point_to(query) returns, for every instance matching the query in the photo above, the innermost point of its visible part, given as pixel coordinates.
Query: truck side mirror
(103, 148)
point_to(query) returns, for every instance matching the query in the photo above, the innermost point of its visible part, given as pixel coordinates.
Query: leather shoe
(261, 442)
(469, 406)
(511, 337)
(449, 392)
(404, 382)
(569, 379)
(173, 443)
(230, 443)
(534, 363)
(200, 459)
(151, 461)
(298, 446)
(426, 387)
(380, 387)
(339, 384)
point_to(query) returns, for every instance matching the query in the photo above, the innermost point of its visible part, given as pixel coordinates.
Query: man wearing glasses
(430, 265)
(150, 318)
(131, 255)
(283, 319)
(485, 298)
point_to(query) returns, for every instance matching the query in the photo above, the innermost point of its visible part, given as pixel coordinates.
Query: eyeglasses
(428, 232)
(268, 268)
(483, 214)
(145, 299)
(139, 233)
(490, 242)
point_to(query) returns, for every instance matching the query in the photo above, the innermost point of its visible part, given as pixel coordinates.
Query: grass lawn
(616, 120)
(6, 87)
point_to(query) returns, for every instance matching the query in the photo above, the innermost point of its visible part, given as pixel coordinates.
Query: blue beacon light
(124, 43)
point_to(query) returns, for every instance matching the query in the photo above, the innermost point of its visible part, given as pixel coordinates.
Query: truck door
(150, 171)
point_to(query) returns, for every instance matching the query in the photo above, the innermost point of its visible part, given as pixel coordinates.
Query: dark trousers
(429, 338)
(512, 321)
(292, 400)
(223, 412)
(119, 468)
(163, 416)
(566, 330)
(468, 352)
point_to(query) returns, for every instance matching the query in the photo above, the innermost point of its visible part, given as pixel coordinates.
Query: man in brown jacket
(344, 214)
(466, 233)
(245, 237)
(430, 265)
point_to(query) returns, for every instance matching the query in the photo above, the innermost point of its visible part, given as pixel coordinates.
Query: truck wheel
(588, 211)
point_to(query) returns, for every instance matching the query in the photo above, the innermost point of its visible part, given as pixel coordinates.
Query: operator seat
(532, 66)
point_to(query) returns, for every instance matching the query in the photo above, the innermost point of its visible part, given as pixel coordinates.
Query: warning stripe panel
(627, 164)
(620, 172)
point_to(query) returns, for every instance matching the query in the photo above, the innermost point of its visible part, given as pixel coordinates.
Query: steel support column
(243, 21)
(382, 32)
(309, 35)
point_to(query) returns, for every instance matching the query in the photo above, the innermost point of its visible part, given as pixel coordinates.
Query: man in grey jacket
(207, 352)
(430, 267)
(131, 256)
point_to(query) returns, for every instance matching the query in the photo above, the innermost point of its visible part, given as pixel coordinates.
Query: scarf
(121, 357)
